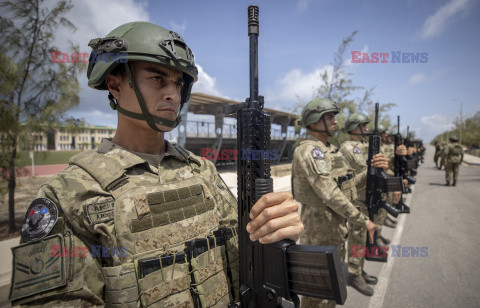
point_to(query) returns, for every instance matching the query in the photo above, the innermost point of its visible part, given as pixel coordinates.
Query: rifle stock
(268, 273)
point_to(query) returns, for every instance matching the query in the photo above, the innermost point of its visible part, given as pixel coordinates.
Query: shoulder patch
(317, 154)
(41, 216)
(37, 267)
(356, 150)
(100, 212)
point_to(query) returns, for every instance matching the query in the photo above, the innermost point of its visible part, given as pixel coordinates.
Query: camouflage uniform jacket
(356, 154)
(125, 211)
(326, 187)
(388, 149)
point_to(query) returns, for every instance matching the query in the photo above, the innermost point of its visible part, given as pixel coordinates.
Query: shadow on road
(436, 184)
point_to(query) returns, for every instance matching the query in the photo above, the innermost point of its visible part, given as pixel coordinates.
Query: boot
(358, 283)
(454, 183)
(447, 184)
(383, 241)
(368, 278)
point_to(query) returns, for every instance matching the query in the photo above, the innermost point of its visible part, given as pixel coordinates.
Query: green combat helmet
(146, 42)
(354, 120)
(381, 128)
(314, 111)
(453, 138)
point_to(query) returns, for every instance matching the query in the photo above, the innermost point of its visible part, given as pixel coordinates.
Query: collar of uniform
(180, 153)
(126, 159)
(318, 144)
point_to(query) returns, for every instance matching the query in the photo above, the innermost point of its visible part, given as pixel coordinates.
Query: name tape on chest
(100, 212)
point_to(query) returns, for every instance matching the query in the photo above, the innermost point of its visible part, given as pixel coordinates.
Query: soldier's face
(330, 121)
(160, 87)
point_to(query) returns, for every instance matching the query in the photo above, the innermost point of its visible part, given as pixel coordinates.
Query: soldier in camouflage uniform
(442, 155)
(436, 157)
(453, 157)
(132, 223)
(355, 152)
(325, 185)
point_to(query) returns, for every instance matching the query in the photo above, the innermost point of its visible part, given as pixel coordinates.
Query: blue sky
(297, 42)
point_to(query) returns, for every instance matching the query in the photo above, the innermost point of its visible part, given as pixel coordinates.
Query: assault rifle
(378, 183)
(268, 273)
(401, 168)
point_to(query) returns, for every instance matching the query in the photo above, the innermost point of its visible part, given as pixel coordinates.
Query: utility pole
(461, 119)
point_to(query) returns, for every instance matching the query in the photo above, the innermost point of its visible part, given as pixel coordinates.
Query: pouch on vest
(121, 288)
(209, 271)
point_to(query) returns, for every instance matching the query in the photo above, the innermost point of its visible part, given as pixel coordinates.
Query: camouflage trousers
(449, 169)
(435, 159)
(357, 236)
(323, 227)
(442, 162)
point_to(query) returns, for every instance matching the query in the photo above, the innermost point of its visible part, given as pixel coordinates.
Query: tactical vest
(166, 224)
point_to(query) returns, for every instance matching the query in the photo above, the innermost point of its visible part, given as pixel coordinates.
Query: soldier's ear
(114, 83)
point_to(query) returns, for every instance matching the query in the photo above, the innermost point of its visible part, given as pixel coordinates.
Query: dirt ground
(25, 193)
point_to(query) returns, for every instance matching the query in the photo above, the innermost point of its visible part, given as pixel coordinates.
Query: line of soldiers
(329, 182)
(451, 156)
(153, 200)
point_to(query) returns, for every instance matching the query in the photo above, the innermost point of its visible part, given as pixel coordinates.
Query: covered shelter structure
(218, 137)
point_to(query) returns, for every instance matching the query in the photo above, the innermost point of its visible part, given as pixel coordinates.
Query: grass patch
(44, 158)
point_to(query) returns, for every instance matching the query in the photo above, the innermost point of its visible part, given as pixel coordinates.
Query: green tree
(366, 105)
(35, 91)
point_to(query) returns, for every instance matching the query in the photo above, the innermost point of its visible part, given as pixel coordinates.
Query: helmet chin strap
(151, 120)
(329, 133)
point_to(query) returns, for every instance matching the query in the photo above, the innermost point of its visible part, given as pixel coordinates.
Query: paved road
(445, 220)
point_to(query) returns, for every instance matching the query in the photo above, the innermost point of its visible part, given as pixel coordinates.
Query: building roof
(207, 104)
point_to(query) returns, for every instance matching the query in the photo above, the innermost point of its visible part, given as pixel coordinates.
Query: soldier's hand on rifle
(397, 195)
(275, 217)
(371, 230)
(405, 182)
(410, 151)
(401, 150)
(380, 161)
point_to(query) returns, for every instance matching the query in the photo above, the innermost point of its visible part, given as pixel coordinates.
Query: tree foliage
(337, 84)
(34, 91)
(470, 131)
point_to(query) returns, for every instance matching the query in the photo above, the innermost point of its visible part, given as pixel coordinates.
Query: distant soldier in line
(442, 155)
(326, 185)
(438, 150)
(355, 152)
(453, 157)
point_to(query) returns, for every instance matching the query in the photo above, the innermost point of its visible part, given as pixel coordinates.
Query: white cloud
(179, 28)
(296, 85)
(303, 5)
(416, 79)
(437, 22)
(206, 84)
(435, 124)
